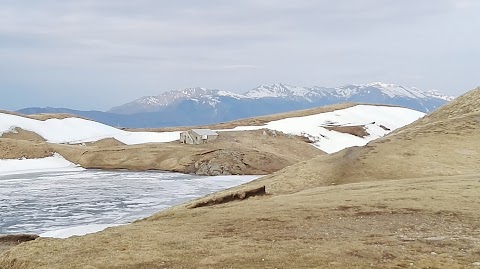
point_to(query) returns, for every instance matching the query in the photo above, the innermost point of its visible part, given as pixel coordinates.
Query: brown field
(409, 200)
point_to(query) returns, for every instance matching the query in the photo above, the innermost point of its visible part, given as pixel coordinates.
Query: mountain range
(200, 106)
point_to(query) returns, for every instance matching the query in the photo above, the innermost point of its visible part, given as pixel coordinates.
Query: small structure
(197, 136)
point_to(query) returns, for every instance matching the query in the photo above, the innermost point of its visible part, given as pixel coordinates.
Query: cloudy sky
(94, 54)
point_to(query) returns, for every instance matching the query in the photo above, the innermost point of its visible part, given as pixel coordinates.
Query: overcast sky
(95, 54)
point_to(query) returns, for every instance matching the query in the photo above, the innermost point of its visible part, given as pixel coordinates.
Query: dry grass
(246, 152)
(357, 130)
(427, 222)
(43, 116)
(8, 241)
(14, 149)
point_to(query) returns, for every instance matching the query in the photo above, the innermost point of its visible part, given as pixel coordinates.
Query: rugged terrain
(409, 200)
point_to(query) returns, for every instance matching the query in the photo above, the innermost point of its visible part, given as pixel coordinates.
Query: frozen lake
(49, 201)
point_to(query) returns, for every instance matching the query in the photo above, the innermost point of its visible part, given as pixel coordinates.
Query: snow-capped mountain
(346, 92)
(391, 90)
(277, 90)
(154, 103)
(197, 106)
(376, 92)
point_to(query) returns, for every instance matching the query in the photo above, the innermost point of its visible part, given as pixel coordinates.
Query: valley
(239, 134)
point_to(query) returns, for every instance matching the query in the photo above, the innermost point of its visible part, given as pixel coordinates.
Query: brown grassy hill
(258, 121)
(245, 152)
(409, 223)
(43, 116)
(446, 142)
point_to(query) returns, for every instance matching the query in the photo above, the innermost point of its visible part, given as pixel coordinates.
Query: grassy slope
(386, 224)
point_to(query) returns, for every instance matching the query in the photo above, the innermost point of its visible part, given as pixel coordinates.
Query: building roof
(204, 132)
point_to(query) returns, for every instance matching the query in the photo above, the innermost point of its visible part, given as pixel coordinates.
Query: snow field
(53, 163)
(313, 126)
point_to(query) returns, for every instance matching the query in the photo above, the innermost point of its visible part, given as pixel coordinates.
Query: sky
(96, 54)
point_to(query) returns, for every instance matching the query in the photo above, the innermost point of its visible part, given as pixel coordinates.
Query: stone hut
(197, 136)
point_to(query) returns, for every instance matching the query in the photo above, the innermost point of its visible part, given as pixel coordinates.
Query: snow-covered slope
(53, 163)
(71, 131)
(377, 121)
(75, 130)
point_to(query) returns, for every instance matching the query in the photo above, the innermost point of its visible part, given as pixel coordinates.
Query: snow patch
(77, 231)
(23, 166)
(76, 131)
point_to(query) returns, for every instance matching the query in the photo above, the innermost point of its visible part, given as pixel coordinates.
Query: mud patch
(15, 239)
(231, 197)
(358, 130)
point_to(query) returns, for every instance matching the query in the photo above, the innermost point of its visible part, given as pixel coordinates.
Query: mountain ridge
(315, 94)
(202, 106)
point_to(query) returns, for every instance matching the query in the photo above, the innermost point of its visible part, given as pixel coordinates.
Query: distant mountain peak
(193, 91)
(277, 90)
(391, 90)
(437, 94)
(148, 100)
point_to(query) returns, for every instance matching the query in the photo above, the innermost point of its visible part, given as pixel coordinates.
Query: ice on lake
(51, 201)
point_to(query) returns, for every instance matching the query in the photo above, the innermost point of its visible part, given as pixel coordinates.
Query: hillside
(443, 143)
(273, 143)
(201, 106)
(411, 202)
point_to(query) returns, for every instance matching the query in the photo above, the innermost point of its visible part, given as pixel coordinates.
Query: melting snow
(54, 163)
(372, 117)
(75, 130)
